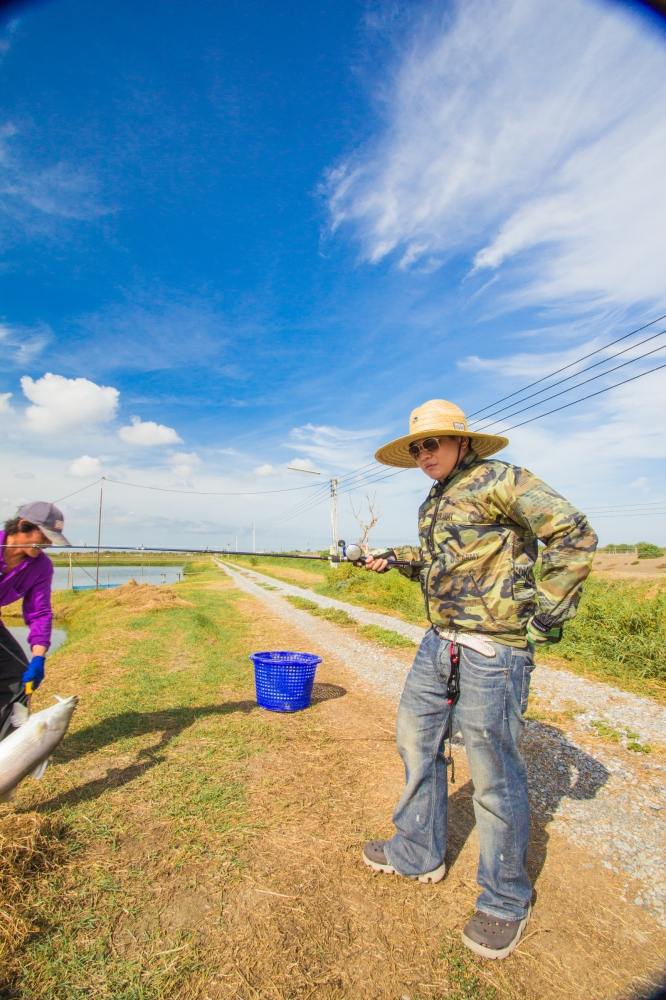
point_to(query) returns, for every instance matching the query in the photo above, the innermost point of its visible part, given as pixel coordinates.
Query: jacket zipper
(431, 549)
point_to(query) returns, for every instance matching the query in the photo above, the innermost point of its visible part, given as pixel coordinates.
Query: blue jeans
(489, 713)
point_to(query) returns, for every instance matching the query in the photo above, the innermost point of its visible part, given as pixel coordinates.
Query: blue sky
(235, 238)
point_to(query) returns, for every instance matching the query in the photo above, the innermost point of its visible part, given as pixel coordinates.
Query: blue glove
(35, 672)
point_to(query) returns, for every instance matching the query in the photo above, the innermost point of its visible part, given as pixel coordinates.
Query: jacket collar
(438, 487)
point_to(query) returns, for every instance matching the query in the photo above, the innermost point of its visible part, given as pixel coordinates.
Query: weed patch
(463, 973)
(626, 737)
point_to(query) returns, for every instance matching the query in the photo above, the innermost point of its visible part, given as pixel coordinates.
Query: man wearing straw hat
(478, 530)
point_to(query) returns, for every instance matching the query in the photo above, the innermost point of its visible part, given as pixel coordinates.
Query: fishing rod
(351, 553)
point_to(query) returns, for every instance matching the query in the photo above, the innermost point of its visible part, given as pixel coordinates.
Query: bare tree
(366, 522)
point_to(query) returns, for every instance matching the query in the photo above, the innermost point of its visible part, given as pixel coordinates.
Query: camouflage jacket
(478, 533)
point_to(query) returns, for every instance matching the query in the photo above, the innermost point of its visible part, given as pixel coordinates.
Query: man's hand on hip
(540, 631)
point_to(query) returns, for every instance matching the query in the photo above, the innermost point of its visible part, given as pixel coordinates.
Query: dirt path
(308, 920)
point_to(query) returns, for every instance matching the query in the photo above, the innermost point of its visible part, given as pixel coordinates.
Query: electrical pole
(334, 517)
(99, 531)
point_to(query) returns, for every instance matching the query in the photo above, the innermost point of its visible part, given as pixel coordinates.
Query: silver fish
(27, 749)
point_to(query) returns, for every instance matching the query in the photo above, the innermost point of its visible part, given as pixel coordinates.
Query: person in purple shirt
(26, 573)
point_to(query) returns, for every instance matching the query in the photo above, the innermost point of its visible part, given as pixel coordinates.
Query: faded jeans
(489, 713)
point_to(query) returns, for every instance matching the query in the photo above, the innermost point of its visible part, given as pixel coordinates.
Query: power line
(210, 493)
(604, 361)
(624, 506)
(582, 399)
(652, 513)
(578, 385)
(96, 483)
(324, 490)
(571, 364)
(351, 489)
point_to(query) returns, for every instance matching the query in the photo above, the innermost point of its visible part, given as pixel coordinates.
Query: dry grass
(29, 846)
(145, 597)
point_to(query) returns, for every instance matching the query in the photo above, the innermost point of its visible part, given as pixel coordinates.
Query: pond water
(20, 632)
(115, 575)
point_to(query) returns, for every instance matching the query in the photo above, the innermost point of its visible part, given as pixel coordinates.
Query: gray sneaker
(493, 938)
(374, 856)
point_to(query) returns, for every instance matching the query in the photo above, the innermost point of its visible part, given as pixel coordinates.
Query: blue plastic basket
(284, 679)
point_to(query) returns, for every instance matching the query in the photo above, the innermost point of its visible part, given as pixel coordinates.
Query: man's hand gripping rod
(353, 553)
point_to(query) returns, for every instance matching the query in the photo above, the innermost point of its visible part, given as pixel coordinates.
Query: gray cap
(47, 517)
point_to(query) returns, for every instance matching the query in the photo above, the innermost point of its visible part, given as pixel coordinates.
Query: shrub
(646, 550)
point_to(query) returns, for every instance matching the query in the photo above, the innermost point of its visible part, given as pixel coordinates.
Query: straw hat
(437, 418)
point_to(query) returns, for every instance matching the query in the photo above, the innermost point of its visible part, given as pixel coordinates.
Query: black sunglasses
(429, 445)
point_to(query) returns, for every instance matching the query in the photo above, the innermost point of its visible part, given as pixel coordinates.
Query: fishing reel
(354, 553)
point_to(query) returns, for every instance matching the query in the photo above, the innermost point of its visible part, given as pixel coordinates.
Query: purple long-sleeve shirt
(31, 581)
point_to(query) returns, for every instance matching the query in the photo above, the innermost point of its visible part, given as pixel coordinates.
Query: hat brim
(55, 537)
(396, 453)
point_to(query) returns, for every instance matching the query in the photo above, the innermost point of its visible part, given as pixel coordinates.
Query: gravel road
(596, 794)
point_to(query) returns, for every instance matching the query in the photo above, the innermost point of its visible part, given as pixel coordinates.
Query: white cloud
(505, 131)
(184, 463)
(21, 345)
(266, 470)
(85, 467)
(60, 403)
(147, 434)
(31, 193)
(5, 405)
(333, 447)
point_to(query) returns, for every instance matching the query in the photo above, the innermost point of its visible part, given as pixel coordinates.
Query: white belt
(469, 639)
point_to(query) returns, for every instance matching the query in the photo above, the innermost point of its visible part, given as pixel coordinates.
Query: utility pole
(334, 517)
(70, 577)
(99, 531)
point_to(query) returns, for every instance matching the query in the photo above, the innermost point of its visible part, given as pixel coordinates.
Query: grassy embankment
(85, 921)
(618, 635)
(119, 558)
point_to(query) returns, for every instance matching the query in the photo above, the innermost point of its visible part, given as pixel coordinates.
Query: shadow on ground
(556, 770)
(170, 722)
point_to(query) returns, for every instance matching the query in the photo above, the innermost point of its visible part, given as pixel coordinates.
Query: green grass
(382, 636)
(463, 973)
(619, 634)
(166, 723)
(627, 737)
(386, 637)
(119, 558)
